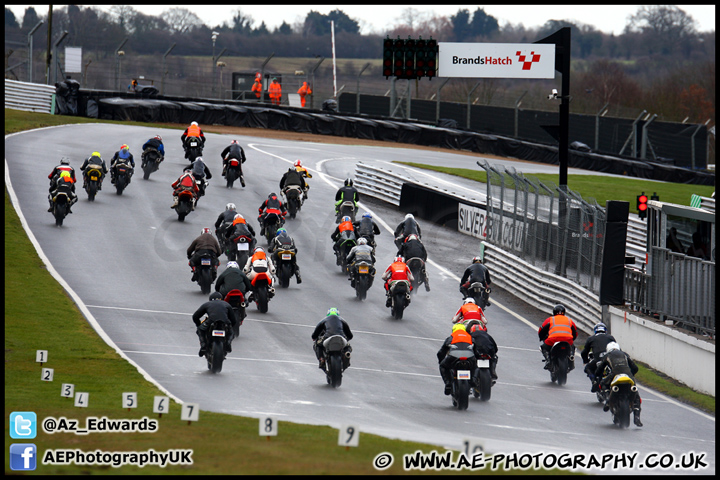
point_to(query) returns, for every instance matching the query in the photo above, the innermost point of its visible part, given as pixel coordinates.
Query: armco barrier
(378, 182)
(31, 97)
(540, 289)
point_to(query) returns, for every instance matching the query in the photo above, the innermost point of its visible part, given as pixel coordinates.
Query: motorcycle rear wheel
(462, 394)
(205, 280)
(484, 385)
(621, 416)
(335, 369)
(398, 306)
(262, 299)
(285, 274)
(60, 212)
(218, 355)
(562, 370)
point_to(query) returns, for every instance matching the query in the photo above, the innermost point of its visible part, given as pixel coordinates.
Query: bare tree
(181, 20)
(123, 16)
(666, 26)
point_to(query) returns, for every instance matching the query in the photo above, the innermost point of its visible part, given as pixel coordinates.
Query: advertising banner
(496, 60)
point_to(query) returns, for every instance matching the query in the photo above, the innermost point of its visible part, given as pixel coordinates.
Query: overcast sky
(379, 18)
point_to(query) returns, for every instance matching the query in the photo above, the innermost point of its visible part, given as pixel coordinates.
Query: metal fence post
(30, 50)
(437, 109)
(643, 148)
(468, 104)
(164, 69)
(357, 94)
(600, 113)
(518, 102)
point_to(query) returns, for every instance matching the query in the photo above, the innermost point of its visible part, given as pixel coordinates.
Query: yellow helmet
(95, 154)
(458, 326)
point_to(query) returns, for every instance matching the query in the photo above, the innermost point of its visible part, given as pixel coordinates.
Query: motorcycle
(347, 242)
(462, 376)
(232, 172)
(347, 208)
(400, 295)
(293, 196)
(205, 274)
(151, 162)
(236, 299)
(337, 358)
(601, 395)
(483, 381)
(202, 185)
(61, 205)
(93, 176)
(620, 399)
(217, 342)
(238, 249)
(364, 274)
(193, 149)
(560, 358)
(123, 174)
(285, 266)
(263, 290)
(272, 222)
(479, 292)
(417, 267)
(186, 204)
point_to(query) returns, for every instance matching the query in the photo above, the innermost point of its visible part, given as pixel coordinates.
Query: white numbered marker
(190, 412)
(349, 436)
(81, 399)
(268, 426)
(41, 356)
(67, 390)
(47, 375)
(161, 405)
(472, 446)
(129, 399)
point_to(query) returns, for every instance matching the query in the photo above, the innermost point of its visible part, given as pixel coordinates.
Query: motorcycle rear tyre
(462, 394)
(262, 299)
(622, 415)
(398, 306)
(361, 287)
(562, 370)
(60, 213)
(285, 274)
(218, 355)
(205, 280)
(335, 369)
(484, 387)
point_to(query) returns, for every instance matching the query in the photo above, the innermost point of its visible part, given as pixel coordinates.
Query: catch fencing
(553, 229)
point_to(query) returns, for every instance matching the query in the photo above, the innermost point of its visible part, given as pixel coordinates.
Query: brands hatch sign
(496, 60)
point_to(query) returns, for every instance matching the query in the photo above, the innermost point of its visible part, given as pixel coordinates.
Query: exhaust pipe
(633, 388)
(615, 388)
(347, 354)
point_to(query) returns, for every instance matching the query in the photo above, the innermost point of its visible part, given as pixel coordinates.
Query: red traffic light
(642, 202)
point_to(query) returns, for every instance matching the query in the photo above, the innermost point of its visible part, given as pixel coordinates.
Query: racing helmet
(194, 123)
(362, 241)
(298, 163)
(367, 215)
(205, 230)
(158, 137)
(333, 311)
(346, 219)
(477, 260)
(234, 142)
(232, 264)
(458, 326)
(96, 154)
(612, 346)
(64, 161)
(272, 195)
(281, 231)
(409, 216)
(124, 145)
(216, 296)
(199, 159)
(238, 219)
(348, 182)
(469, 300)
(399, 259)
(559, 309)
(229, 206)
(259, 249)
(600, 328)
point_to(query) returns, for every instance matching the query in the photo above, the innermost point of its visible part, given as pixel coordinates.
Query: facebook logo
(23, 425)
(23, 456)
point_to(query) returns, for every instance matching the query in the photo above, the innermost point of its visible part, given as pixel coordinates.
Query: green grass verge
(601, 188)
(39, 315)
